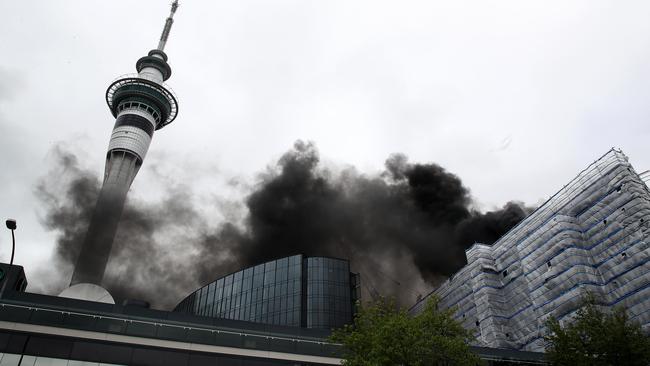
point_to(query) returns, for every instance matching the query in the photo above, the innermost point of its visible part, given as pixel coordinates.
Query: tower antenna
(168, 27)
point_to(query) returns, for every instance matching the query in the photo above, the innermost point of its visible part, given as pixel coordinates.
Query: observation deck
(141, 87)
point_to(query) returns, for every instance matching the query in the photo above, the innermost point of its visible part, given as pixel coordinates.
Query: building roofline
(44, 314)
(255, 265)
(523, 221)
(161, 317)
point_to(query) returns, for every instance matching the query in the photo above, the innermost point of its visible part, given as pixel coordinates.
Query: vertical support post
(13, 247)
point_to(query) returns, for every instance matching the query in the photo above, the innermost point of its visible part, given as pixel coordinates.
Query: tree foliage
(597, 338)
(382, 334)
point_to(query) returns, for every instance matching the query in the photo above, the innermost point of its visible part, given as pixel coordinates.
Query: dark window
(49, 347)
(141, 329)
(505, 273)
(99, 352)
(135, 121)
(202, 360)
(174, 333)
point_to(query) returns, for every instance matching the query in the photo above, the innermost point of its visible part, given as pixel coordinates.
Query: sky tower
(141, 104)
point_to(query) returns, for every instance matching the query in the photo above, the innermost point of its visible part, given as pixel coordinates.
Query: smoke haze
(404, 229)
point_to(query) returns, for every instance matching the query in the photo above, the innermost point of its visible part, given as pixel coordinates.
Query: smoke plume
(161, 252)
(404, 229)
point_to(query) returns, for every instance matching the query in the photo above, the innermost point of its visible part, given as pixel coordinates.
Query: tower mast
(168, 27)
(141, 104)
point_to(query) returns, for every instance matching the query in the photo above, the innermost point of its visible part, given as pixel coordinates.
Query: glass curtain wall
(267, 293)
(314, 292)
(329, 303)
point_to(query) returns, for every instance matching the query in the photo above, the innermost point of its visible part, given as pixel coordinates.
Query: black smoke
(161, 252)
(404, 229)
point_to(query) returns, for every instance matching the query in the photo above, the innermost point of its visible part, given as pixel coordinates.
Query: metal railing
(145, 80)
(167, 330)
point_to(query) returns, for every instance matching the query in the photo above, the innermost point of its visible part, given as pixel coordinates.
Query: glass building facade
(311, 292)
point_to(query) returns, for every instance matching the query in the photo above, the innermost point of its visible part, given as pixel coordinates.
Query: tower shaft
(127, 148)
(95, 252)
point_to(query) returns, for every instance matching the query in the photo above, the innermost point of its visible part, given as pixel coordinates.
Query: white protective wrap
(591, 236)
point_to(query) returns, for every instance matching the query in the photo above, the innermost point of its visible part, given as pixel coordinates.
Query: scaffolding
(591, 236)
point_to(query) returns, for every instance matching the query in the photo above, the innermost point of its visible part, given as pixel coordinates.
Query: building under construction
(591, 236)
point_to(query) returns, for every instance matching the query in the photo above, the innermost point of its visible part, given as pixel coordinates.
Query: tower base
(88, 292)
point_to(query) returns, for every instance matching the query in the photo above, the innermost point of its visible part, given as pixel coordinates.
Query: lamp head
(11, 224)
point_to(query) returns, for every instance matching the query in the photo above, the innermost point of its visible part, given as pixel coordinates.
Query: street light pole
(11, 225)
(13, 248)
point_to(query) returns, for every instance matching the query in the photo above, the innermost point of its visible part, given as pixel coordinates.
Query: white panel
(131, 139)
(152, 74)
(88, 292)
(9, 359)
(46, 361)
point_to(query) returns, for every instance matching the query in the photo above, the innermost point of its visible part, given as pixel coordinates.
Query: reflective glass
(328, 293)
(272, 293)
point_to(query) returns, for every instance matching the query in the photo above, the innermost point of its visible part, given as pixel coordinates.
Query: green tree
(597, 338)
(382, 334)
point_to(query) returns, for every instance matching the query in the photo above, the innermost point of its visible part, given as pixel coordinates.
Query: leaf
(383, 334)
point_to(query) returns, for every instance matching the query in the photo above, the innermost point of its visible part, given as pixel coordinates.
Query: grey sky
(515, 96)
